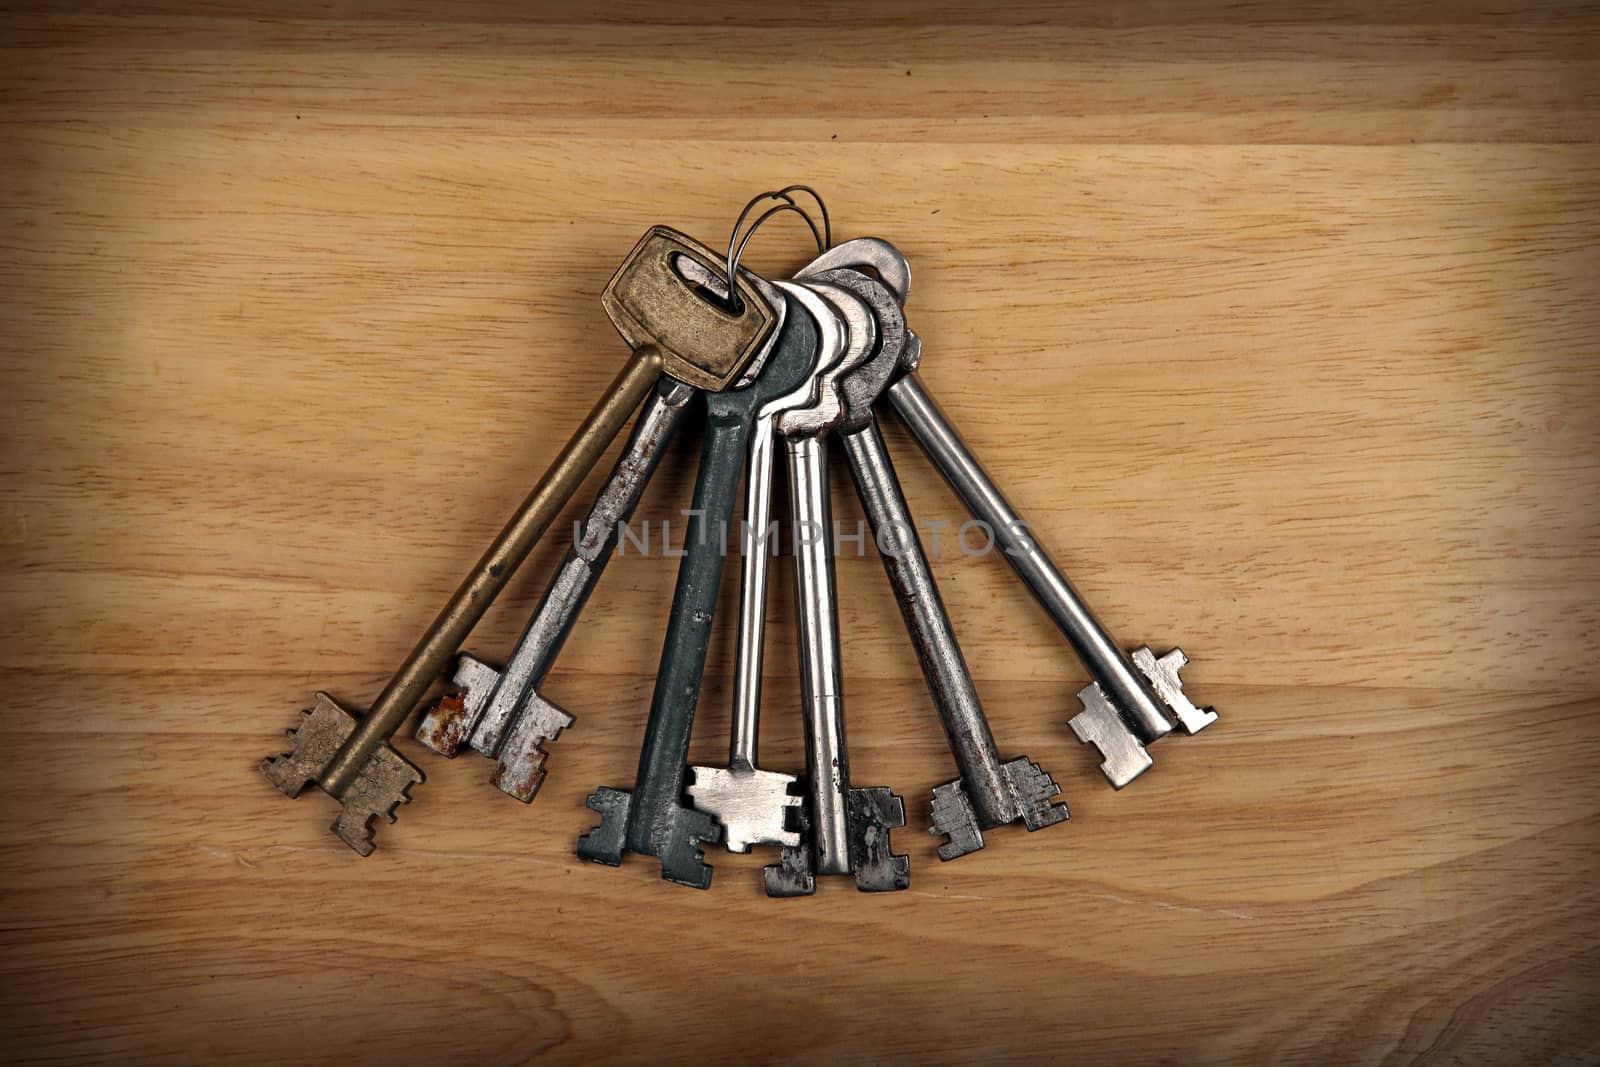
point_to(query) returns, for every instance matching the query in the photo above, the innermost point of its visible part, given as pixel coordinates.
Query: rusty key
(675, 329)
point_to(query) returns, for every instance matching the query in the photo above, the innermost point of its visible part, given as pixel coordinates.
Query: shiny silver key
(848, 828)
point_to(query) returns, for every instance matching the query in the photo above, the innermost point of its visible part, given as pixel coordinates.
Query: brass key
(674, 329)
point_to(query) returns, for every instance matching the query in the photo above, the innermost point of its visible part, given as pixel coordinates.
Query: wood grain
(1277, 321)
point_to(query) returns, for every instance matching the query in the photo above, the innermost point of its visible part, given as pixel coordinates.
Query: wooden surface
(1278, 321)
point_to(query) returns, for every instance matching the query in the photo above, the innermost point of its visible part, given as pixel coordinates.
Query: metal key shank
(491, 706)
(653, 818)
(989, 793)
(849, 828)
(758, 807)
(1123, 711)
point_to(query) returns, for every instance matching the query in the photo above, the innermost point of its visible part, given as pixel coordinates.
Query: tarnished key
(503, 713)
(488, 707)
(673, 330)
(848, 829)
(1130, 702)
(757, 807)
(653, 819)
(989, 793)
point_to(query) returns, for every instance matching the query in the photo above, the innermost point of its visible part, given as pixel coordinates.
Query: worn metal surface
(702, 342)
(491, 707)
(860, 389)
(383, 784)
(758, 807)
(696, 273)
(872, 253)
(991, 793)
(847, 829)
(447, 724)
(861, 337)
(645, 291)
(1141, 712)
(653, 819)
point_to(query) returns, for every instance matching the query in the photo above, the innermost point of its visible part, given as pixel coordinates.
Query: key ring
(824, 239)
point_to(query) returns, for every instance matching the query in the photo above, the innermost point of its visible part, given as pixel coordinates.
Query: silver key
(756, 807)
(989, 793)
(487, 704)
(848, 829)
(1133, 699)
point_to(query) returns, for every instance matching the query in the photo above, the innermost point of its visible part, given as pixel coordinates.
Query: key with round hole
(1134, 699)
(674, 330)
(653, 819)
(989, 793)
(848, 828)
(502, 713)
(758, 807)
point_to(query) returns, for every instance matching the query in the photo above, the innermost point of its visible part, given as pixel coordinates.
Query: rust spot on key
(444, 726)
(521, 779)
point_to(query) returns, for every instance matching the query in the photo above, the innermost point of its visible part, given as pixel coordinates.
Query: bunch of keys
(775, 366)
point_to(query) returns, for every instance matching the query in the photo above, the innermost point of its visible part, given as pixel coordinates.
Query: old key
(654, 818)
(674, 330)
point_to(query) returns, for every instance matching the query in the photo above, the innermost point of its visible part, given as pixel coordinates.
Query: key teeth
(1163, 676)
(605, 843)
(791, 876)
(677, 846)
(382, 785)
(954, 818)
(521, 768)
(1033, 790)
(449, 721)
(683, 860)
(753, 806)
(1123, 758)
(314, 742)
(873, 813)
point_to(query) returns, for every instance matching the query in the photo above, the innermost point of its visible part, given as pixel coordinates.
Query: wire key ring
(735, 253)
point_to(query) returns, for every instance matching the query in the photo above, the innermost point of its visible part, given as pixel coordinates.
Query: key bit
(1028, 796)
(521, 767)
(755, 807)
(677, 839)
(448, 724)
(791, 876)
(871, 813)
(953, 818)
(383, 784)
(1033, 790)
(874, 812)
(1122, 756)
(1163, 676)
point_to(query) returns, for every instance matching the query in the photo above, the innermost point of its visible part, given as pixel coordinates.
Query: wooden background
(1278, 321)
